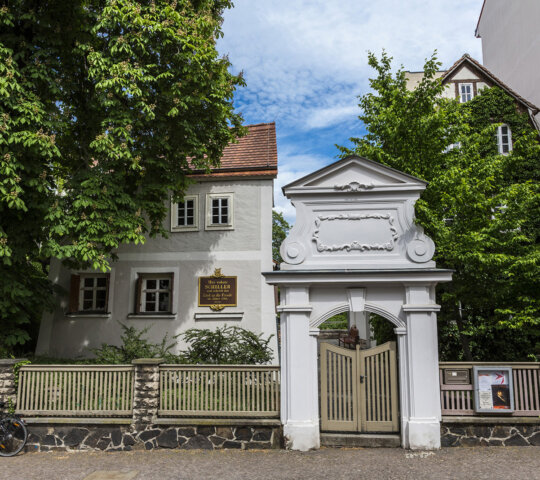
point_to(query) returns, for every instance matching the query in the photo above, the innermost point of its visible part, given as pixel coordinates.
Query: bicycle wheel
(13, 435)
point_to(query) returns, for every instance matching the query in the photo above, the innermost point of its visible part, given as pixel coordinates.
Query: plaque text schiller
(217, 291)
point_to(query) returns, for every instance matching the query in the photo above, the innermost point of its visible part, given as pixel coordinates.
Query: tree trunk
(462, 337)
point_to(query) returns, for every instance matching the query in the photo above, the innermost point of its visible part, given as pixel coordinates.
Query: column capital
(295, 308)
(428, 307)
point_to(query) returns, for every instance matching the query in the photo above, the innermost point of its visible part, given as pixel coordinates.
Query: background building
(511, 44)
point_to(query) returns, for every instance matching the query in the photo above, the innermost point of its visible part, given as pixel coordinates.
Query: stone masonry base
(125, 438)
(489, 435)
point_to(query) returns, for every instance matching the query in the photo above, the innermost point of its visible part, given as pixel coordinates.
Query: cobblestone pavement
(330, 464)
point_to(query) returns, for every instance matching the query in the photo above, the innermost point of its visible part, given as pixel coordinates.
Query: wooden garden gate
(359, 390)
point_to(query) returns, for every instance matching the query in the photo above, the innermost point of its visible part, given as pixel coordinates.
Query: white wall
(244, 252)
(511, 44)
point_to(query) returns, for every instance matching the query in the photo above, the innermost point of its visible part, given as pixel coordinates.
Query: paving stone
(111, 475)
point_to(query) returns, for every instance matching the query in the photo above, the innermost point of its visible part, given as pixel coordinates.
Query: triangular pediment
(355, 174)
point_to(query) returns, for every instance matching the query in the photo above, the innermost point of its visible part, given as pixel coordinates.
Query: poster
(493, 389)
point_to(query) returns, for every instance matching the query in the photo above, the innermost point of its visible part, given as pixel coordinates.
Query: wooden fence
(75, 390)
(459, 399)
(219, 391)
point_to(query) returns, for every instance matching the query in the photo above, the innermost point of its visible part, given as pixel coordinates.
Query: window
(504, 139)
(185, 215)
(219, 211)
(154, 293)
(89, 293)
(465, 92)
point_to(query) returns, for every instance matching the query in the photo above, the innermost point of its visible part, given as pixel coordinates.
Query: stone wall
(7, 380)
(489, 434)
(126, 438)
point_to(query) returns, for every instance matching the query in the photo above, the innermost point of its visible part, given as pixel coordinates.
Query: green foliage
(280, 229)
(337, 322)
(226, 346)
(383, 330)
(223, 346)
(480, 208)
(134, 345)
(102, 102)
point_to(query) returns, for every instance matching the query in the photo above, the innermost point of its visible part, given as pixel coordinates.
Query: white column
(422, 418)
(300, 409)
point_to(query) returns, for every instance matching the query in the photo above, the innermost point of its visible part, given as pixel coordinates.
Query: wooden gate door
(359, 389)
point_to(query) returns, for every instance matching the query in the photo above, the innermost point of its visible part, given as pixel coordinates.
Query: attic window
(465, 92)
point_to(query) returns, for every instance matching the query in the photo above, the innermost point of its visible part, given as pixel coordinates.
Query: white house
(465, 79)
(511, 44)
(206, 274)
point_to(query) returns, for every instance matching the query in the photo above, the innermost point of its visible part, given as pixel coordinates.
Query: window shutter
(108, 287)
(74, 288)
(171, 293)
(138, 288)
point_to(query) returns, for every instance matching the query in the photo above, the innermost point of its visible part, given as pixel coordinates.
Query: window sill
(219, 227)
(184, 229)
(219, 316)
(88, 315)
(153, 316)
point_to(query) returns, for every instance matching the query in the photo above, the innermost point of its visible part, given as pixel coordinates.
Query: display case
(493, 389)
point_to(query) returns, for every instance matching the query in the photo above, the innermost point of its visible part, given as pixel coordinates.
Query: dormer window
(504, 139)
(465, 92)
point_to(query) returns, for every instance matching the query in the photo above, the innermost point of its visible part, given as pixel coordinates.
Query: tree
(102, 104)
(280, 229)
(480, 207)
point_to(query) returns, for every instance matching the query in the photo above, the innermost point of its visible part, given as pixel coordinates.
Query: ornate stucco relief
(354, 186)
(355, 244)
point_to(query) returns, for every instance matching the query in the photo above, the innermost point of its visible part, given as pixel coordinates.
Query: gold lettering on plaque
(218, 291)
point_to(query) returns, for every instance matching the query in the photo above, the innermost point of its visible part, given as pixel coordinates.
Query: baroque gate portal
(359, 389)
(355, 247)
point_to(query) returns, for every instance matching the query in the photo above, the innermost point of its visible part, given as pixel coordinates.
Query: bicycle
(13, 433)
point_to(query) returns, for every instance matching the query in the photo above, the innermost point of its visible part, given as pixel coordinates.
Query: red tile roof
(253, 155)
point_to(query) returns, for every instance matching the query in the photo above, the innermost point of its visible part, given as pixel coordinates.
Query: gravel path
(329, 464)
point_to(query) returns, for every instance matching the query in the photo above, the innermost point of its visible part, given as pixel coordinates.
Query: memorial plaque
(218, 291)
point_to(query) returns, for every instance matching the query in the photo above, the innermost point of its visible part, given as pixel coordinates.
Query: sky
(305, 64)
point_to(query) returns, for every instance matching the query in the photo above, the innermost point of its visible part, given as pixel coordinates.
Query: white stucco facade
(372, 258)
(511, 44)
(243, 251)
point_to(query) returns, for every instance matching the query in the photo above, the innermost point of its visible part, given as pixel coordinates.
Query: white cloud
(305, 62)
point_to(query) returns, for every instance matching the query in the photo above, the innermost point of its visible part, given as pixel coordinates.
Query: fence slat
(220, 391)
(75, 390)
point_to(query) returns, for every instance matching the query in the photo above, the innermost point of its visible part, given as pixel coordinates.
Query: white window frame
(461, 93)
(144, 289)
(174, 215)
(499, 136)
(94, 289)
(209, 217)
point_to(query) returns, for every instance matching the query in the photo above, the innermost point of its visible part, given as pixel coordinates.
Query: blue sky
(305, 63)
